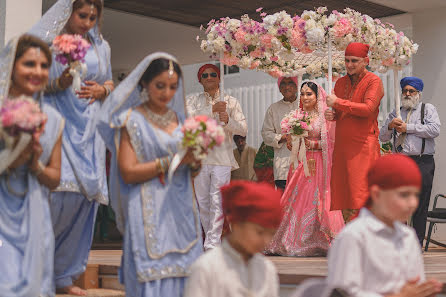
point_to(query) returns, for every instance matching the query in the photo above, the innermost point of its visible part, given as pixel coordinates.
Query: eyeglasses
(411, 91)
(212, 74)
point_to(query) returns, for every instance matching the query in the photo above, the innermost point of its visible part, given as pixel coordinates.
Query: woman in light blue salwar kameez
(159, 218)
(83, 182)
(26, 234)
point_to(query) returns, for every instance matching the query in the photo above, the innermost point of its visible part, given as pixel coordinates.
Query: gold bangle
(158, 165)
(40, 168)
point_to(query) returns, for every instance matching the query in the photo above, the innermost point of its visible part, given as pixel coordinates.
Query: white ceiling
(411, 5)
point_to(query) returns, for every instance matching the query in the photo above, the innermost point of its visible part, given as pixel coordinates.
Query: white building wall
(430, 65)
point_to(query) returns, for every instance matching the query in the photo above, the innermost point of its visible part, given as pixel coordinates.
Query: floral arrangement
(21, 115)
(284, 45)
(201, 134)
(71, 50)
(297, 122)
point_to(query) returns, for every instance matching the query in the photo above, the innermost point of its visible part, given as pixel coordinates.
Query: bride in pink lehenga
(308, 226)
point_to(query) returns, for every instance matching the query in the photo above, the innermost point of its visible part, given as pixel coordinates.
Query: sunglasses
(411, 91)
(212, 74)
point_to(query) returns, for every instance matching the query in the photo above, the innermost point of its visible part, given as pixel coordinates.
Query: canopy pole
(222, 77)
(330, 66)
(396, 91)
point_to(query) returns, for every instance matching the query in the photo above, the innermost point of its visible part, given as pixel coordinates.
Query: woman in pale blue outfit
(83, 182)
(141, 124)
(27, 173)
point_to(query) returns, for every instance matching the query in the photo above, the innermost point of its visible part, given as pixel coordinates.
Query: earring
(144, 95)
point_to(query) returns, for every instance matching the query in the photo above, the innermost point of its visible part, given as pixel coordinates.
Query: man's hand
(414, 289)
(224, 117)
(330, 115)
(289, 142)
(401, 128)
(283, 138)
(395, 123)
(220, 106)
(331, 100)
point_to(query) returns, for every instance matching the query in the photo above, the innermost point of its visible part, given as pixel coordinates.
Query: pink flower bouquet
(71, 50)
(21, 115)
(297, 122)
(201, 134)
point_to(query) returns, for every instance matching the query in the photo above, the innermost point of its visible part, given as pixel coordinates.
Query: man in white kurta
(216, 168)
(245, 156)
(272, 133)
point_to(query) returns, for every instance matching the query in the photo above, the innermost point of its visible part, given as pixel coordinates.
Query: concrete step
(98, 293)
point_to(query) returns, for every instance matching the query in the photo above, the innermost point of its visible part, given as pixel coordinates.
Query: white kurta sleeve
(194, 110)
(345, 269)
(269, 133)
(237, 121)
(197, 284)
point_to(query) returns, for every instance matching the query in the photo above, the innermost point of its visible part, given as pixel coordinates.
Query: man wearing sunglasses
(216, 168)
(355, 104)
(414, 135)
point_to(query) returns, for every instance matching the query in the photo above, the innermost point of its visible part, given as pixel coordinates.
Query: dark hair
(235, 137)
(97, 3)
(157, 67)
(311, 85)
(28, 41)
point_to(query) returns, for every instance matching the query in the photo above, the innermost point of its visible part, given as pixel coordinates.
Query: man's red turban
(357, 49)
(258, 203)
(206, 66)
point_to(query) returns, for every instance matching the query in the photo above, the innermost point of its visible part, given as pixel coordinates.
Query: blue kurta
(162, 228)
(83, 179)
(26, 234)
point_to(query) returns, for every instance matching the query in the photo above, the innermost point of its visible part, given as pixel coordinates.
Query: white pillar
(429, 64)
(17, 17)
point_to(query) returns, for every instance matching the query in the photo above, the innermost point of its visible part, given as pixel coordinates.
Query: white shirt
(271, 133)
(222, 272)
(370, 259)
(202, 105)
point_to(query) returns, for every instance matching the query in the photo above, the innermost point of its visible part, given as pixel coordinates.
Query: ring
(67, 74)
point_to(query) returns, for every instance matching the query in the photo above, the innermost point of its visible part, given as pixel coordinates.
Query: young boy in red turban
(237, 268)
(377, 254)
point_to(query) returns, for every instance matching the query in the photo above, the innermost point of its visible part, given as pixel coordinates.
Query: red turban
(294, 78)
(394, 171)
(258, 203)
(206, 66)
(357, 49)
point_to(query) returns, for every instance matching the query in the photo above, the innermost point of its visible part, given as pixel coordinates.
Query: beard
(409, 102)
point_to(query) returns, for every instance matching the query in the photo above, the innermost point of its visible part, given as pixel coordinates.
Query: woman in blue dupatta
(26, 175)
(83, 182)
(141, 124)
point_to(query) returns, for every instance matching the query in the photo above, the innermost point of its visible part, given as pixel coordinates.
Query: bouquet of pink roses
(71, 50)
(21, 120)
(297, 122)
(21, 115)
(201, 134)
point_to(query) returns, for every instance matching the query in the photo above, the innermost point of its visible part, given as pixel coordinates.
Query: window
(229, 69)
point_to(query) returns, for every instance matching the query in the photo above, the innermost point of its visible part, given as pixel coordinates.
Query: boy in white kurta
(377, 254)
(237, 268)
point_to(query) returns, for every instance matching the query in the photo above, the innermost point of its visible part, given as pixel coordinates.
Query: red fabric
(357, 49)
(206, 66)
(258, 203)
(265, 174)
(356, 147)
(393, 171)
(294, 78)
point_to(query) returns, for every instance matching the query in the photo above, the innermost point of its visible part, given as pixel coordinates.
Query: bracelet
(107, 90)
(40, 168)
(162, 164)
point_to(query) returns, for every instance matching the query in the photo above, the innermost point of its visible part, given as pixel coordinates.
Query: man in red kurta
(355, 102)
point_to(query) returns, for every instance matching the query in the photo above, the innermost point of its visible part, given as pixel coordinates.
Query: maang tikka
(170, 71)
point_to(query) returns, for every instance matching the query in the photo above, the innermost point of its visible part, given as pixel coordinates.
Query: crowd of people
(199, 233)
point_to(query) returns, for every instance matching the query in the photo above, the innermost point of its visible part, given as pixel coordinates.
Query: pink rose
(266, 40)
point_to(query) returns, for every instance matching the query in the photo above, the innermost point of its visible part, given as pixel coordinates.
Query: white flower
(308, 14)
(233, 24)
(330, 20)
(315, 35)
(310, 24)
(245, 62)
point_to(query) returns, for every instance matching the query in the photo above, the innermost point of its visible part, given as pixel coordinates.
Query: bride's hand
(65, 79)
(289, 143)
(189, 158)
(24, 156)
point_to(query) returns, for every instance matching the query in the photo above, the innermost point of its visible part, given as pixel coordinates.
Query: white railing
(255, 100)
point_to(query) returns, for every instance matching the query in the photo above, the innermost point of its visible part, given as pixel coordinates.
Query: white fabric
(271, 133)
(202, 105)
(370, 259)
(222, 272)
(207, 186)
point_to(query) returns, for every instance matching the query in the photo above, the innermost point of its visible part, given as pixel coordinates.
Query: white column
(429, 64)
(17, 17)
